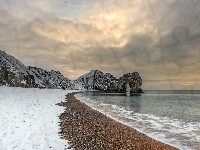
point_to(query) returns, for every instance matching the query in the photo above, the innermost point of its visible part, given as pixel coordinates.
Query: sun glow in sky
(159, 39)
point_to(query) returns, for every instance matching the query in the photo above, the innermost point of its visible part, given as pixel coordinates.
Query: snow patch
(29, 119)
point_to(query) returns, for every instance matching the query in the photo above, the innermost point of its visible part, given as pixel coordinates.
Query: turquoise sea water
(172, 117)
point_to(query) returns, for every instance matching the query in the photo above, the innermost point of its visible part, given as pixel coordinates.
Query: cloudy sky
(158, 38)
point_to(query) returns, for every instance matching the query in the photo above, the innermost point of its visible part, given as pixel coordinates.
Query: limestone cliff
(97, 80)
(15, 73)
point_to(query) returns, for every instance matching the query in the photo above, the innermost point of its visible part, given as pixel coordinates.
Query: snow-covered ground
(29, 119)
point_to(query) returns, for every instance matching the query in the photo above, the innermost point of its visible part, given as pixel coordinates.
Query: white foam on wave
(185, 136)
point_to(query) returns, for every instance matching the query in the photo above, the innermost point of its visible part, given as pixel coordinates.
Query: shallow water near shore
(172, 117)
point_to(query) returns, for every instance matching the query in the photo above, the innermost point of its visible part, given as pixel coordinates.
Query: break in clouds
(159, 39)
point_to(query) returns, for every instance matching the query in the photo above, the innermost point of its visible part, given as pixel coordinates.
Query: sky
(160, 39)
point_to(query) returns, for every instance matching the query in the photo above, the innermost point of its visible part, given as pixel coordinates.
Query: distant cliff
(97, 80)
(50, 79)
(14, 73)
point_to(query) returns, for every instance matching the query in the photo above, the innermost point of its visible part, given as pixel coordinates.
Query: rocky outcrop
(133, 80)
(97, 80)
(51, 79)
(15, 73)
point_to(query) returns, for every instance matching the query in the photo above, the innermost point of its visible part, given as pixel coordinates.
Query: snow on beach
(29, 119)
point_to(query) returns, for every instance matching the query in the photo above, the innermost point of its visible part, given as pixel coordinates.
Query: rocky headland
(14, 73)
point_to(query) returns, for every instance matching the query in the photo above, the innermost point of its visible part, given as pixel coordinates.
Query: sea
(172, 117)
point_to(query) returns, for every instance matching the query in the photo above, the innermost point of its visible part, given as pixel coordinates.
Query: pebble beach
(86, 128)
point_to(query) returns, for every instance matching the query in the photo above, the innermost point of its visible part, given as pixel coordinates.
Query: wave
(185, 136)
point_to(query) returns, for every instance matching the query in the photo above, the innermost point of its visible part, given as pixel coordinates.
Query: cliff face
(97, 80)
(50, 79)
(133, 80)
(15, 73)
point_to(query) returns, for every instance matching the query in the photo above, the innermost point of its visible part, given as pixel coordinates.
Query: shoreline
(86, 128)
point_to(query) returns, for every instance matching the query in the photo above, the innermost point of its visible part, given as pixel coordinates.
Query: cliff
(14, 73)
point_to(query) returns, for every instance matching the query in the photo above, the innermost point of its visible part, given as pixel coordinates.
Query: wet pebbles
(88, 129)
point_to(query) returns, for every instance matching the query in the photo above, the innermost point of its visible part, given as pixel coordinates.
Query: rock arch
(131, 79)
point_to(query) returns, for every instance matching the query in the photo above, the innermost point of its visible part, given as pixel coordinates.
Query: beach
(29, 119)
(86, 128)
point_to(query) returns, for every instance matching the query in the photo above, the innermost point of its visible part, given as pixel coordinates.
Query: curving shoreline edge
(86, 128)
